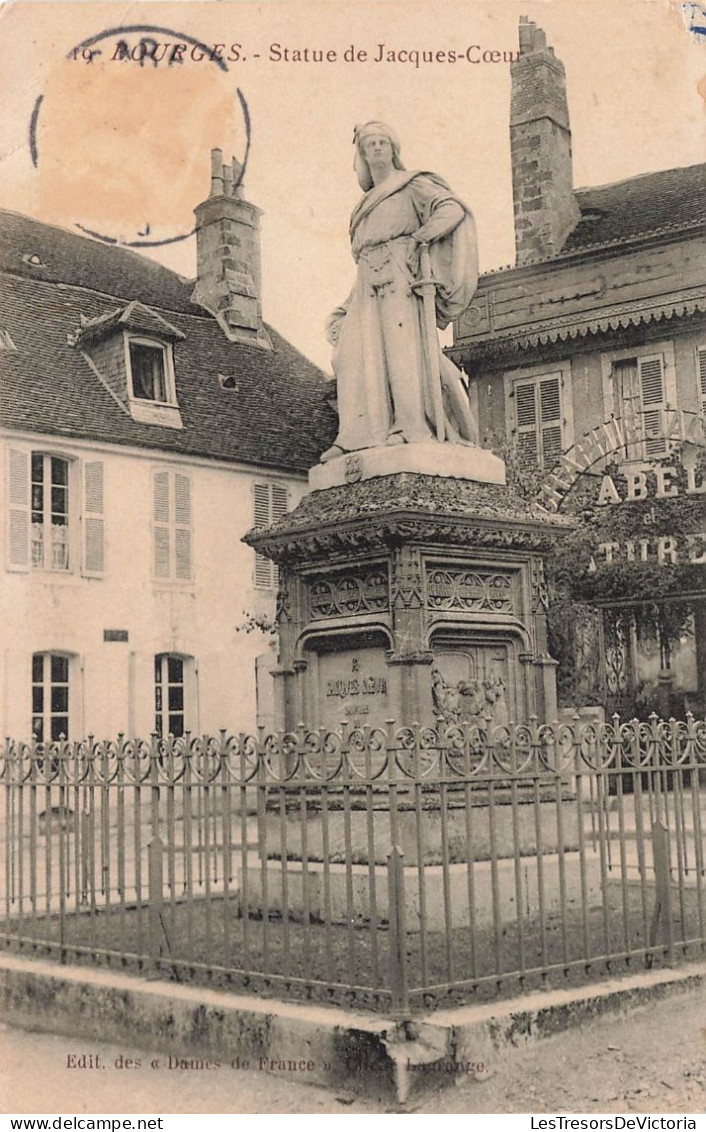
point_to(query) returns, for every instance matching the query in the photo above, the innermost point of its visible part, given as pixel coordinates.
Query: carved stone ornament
(540, 594)
(283, 605)
(354, 468)
(406, 579)
(344, 595)
(470, 591)
(406, 507)
(481, 701)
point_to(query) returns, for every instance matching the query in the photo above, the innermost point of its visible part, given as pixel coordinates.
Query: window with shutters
(270, 503)
(55, 513)
(172, 526)
(50, 696)
(640, 400)
(538, 419)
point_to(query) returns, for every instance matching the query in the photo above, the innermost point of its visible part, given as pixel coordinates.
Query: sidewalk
(652, 1059)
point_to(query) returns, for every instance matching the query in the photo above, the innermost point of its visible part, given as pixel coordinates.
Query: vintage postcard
(353, 562)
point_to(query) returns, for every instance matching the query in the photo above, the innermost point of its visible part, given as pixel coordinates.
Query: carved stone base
(459, 461)
(412, 597)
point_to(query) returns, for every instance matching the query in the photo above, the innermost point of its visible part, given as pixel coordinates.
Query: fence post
(398, 931)
(154, 862)
(662, 910)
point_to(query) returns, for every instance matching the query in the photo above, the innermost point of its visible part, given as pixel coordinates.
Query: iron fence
(394, 868)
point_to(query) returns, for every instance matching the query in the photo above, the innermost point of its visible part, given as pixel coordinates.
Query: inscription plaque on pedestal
(353, 686)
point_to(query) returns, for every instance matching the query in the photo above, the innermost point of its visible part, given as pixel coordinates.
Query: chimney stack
(540, 148)
(229, 280)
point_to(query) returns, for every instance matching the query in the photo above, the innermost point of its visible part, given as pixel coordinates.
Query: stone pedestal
(411, 596)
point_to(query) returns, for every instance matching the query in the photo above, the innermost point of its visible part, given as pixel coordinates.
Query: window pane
(38, 699)
(176, 725)
(59, 669)
(37, 545)
(158, 724)
(38, 728)
(59, 726)
(176, 670)
(59, 504)
(37, 668)
(37, 502)
(60, 698)
(59, 547)
(176, 698)
(158, 697)
(37, 467)
(59, 471)
(147, 366)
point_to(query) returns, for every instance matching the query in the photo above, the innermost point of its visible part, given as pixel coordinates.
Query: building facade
(148, 421)
(601, 319)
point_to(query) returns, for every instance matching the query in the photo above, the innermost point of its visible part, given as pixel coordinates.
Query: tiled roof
(131, 316)
(55, 255)
(277, 417)
(653, 202)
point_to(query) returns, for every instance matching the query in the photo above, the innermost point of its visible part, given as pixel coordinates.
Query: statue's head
(360, 163)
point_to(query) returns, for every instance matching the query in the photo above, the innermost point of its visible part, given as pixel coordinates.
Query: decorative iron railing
(392, 867)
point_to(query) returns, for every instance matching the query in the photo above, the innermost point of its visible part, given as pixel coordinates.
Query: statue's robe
(381, 359)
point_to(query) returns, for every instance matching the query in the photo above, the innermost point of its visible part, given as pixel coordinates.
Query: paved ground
(653, 1060)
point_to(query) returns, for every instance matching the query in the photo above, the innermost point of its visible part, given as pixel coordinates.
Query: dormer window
(150, 381)
(131, 350)
(148, 371)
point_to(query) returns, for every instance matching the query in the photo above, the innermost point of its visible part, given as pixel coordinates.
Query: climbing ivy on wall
(579, 576)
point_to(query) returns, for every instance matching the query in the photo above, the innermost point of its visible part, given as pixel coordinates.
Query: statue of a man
(414, 243)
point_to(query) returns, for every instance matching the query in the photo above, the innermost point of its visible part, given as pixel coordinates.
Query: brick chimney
(228, 282)
(540, 148)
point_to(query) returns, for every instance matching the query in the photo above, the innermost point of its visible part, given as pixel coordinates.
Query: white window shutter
(265, 574)
(182, 554)
(261, 505)
(279, 501)
(182, 500)
(161, 524)
(93, 505)
(551, 420)
(182, 527)
(18, 509)
(526, 421)
(652, 392)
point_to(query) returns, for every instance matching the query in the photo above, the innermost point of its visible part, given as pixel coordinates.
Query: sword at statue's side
(426, 287)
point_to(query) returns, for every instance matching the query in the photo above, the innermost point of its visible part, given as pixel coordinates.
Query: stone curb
(482, 1032)
(322, 1045)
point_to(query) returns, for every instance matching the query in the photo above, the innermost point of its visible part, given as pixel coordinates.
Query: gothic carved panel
(345, 595)
(452, 589)
(407, 578)
(540, 594)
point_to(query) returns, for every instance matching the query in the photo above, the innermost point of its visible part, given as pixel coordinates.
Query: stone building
(147, 422)
(601, 319)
